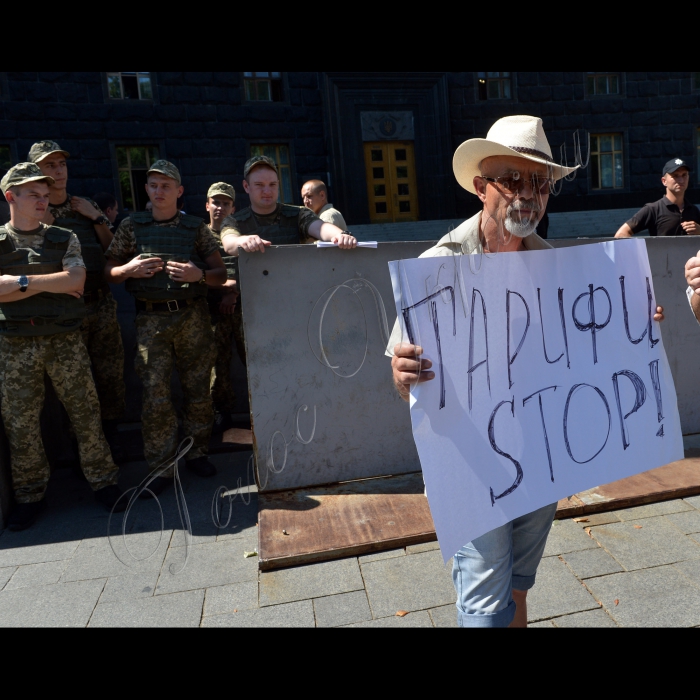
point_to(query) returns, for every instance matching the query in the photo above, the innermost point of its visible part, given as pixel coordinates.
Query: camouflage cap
(222, 188)
(165, 168)
(41, 149)
(256, 161)
(21, 173)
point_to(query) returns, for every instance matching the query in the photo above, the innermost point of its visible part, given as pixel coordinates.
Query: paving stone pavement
(635, 567)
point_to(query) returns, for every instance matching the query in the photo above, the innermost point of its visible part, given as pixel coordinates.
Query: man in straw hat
(512, 172)
(41, 310)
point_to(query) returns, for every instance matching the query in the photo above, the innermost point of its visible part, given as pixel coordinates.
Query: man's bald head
(314, 193)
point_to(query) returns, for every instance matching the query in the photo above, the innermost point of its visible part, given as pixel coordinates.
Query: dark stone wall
(657, 113)
(198, 120)
(201, 122)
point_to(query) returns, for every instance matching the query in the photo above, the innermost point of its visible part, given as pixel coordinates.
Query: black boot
(201, 466)
(109, 497)
(222, 423)
(157, 486)
(25, 515)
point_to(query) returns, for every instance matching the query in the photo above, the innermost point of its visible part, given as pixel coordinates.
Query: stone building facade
(349, 129)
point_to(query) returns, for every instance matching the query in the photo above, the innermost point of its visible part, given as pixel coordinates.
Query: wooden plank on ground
(374, 515)
(341, 520)
(674, 480)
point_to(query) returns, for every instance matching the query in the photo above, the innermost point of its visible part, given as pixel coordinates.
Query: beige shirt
(464, 240)
(332, 216)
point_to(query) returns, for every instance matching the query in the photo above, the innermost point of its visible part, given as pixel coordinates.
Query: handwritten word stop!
(551, 378)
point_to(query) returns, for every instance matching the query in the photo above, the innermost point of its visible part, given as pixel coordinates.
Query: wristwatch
(203, 278)
(100, 220)
(23, 283)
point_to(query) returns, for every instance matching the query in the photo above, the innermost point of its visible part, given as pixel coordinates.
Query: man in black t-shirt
(671, 215)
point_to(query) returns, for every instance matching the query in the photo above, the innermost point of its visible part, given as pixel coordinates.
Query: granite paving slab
(597, 519)
(234, 596)
(690, 569)
(6, 575)
(653, 509)
(309, 581)
(37, 574)
(655, 542)
(658, 597)
(34, 554)
(424, 547)
(415, 582)
(420, 618)
(588, 618)
(94, 558)
(693, 501)
(342, 609)
(444, 616)
(567, 536)
(557, 592)
(174, 610)
(687, 522)
(543, 624)
(389, 554)
(120, 588)
(58, 605)
(208, 565)
(591, 562)
(297, 614)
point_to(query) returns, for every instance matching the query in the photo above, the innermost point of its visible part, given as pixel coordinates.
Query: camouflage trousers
(238, 331)
(64, 358)
(221, 384)
(103, 340)
(181, 340)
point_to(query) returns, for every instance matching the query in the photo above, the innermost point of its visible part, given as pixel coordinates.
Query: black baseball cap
(673, 165)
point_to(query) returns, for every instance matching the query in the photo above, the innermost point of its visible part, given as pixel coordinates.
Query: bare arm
(70, 281)
(104, 234)
(324, 231)
(692, 277)
(116, 272)
(251, 244)
(624, 232)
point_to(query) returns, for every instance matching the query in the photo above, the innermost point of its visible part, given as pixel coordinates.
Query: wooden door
(391, 181)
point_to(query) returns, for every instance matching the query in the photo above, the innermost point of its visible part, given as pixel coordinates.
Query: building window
(695, 82)
(5, 159)
(697, 145)
(263, 87)
(603, 83)
(606, 161)
(280, 154)
(130, 86)
(133, 162)
(494, 86)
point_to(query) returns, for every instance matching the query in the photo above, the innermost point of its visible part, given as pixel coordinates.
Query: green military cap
(255, 161)
(222, 188)
(41, 149)
(21, 173)
(165, 168)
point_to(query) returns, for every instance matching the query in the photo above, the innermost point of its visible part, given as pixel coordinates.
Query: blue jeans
(486, 569)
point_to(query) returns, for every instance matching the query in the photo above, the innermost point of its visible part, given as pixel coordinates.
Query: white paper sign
(550, 378)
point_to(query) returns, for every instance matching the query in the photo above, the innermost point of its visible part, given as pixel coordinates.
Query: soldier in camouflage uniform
(268, 222)
(221, 199)
(100, 328)
(168, 261)
(41, 310)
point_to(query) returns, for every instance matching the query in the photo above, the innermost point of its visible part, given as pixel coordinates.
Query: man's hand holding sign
(530, 376)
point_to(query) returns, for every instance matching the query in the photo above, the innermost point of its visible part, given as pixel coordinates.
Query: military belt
(173, 305)
(93, 297)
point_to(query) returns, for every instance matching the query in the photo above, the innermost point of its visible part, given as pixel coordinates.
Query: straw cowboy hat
(519, 135)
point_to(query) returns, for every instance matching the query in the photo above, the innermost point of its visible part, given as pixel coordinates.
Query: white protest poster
(550, 378)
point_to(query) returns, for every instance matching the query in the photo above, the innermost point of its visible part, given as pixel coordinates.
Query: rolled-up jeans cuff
(523, 583)
(502, 618)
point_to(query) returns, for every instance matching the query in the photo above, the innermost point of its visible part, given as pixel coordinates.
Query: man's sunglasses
(513, 183)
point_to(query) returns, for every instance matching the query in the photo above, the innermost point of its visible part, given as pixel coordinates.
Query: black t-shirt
(663, 218)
